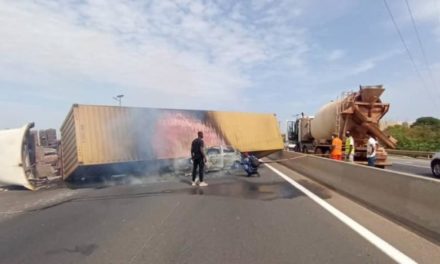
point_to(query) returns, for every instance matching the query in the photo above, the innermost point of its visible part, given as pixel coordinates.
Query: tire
(304, 150)
(318, 151)
(435, 167)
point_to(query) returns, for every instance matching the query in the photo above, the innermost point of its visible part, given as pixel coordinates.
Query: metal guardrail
(411, 153)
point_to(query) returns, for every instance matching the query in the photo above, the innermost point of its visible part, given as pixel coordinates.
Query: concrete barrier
(410, 199)
(411, 153)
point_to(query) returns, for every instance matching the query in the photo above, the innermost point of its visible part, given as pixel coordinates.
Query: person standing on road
(371, 150)
(336, 153)
(349, 147)
(199, 159)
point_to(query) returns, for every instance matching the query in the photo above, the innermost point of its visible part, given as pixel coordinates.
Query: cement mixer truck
(358, 112)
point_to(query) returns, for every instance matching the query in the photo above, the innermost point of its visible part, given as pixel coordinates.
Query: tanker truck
(357, 112)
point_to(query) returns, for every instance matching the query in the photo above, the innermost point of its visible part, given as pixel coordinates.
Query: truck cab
(298, 136)
(291, 135)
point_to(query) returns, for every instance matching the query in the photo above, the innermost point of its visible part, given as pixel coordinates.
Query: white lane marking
(378, 242)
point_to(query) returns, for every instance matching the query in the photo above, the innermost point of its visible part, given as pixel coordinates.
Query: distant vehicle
(290, 146)
(435, 165)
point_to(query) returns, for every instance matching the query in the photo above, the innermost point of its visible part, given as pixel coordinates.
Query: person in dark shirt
(199, 159)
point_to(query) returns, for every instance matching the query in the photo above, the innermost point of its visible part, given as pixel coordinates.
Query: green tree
(427, 121)
(423, 135)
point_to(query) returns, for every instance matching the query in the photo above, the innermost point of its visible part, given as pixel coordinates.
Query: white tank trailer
(16, 165)
(358, 112)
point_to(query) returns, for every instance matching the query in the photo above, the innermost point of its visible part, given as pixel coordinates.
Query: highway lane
(233, 220)
(419, 167)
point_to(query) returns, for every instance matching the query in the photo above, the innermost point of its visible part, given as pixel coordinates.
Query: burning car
(222, 157)
(218, 158)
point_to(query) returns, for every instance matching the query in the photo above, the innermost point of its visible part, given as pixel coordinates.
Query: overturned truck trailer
(105, 140)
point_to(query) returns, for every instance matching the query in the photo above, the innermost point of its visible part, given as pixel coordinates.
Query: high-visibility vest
(349, 141)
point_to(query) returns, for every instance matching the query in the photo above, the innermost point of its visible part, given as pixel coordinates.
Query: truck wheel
(436, 168)
(318, 151)
(304, 150)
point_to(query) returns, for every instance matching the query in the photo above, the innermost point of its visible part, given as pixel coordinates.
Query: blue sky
(284, 57)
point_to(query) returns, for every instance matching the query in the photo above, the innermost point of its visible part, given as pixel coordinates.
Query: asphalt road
(233, 220)
(419, 167)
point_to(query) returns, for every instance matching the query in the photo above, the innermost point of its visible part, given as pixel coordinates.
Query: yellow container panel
(249, 132)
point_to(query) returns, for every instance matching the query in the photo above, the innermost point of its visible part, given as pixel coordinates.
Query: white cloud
(39, 38)
(410, 99)
(257, 5)
(334, 71)
(363, 67)
(371, 63)
(426, 12)
(335, 55)
(176, 53)
(161, 47)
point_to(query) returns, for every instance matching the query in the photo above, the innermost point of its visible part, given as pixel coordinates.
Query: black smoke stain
(244, 189)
